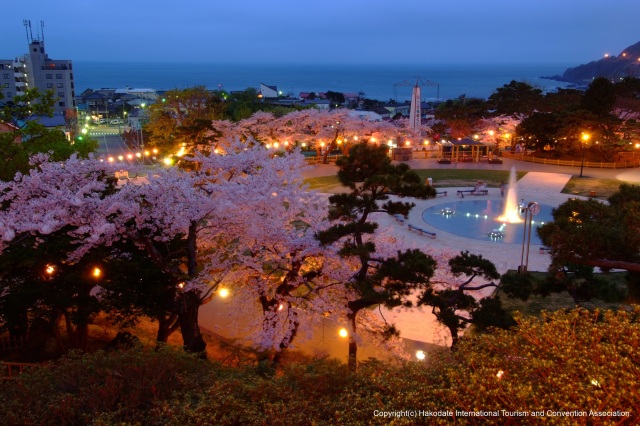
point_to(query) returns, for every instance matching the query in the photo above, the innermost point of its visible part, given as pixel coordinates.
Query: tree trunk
(454, 335)
(81, 336)
(284, 344)
(353, 345)
(188, 305)
(166, 327)
(325, 156)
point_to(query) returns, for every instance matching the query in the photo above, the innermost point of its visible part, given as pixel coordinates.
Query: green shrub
(562, 361)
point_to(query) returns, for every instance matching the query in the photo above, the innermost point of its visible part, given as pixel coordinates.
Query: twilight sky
(328, 31)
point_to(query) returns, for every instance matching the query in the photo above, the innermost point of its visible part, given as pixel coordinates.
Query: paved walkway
(546, 183)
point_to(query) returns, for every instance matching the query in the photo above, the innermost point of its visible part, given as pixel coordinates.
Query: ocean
(378, 81)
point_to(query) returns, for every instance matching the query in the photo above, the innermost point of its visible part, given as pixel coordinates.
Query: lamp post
(585, 138)
(530, 210)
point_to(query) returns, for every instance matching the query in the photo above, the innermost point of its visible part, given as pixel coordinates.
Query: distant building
(148, 94)
(267, 92)
(395, 109)
(321, 104)
(36, 70)
(365, 115)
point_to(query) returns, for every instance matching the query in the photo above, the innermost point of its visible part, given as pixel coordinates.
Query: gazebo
(466, 149)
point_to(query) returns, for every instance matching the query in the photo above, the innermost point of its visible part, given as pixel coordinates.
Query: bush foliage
(562, 361)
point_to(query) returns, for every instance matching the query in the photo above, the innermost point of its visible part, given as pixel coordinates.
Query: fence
(573, 163)
(8, 344)
(11, 370)
(415, 155)
(315, 159)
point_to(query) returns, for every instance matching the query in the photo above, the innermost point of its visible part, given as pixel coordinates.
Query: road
(111, 144)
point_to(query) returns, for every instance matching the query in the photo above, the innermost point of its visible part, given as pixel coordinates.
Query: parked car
(116, 121)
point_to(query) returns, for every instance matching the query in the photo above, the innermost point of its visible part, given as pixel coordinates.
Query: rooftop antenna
(27, 28)
(42, 29)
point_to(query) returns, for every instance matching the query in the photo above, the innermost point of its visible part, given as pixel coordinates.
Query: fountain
(511, 210)
(477, 219)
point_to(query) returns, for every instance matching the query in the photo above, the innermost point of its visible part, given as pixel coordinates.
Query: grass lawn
(328, 184)
(448, 177)
(602, 188)
(442, 178)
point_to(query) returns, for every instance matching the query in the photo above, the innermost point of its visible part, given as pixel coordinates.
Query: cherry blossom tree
(324, 131)
(243, 217)
(493, 130)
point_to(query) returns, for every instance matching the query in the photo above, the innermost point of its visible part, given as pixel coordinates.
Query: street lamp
(585, 138)
(530, 210)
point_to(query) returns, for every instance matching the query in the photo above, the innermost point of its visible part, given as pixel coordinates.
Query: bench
(422, 231)
(441, 193)
(399, 218)
(122, 174)
(473, 192)
(444, 161)
(544, 250)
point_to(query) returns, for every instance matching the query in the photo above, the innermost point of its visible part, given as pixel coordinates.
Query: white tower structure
(415, 112)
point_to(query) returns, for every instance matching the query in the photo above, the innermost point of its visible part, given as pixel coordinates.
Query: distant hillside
(626, 64)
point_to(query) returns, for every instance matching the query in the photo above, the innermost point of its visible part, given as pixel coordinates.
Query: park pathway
(543, 182)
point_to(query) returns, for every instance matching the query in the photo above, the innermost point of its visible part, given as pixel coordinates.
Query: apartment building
(36, 69)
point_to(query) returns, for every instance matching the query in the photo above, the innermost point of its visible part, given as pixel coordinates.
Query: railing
(11, 370)
(632, 154)
(315, 159)
(8, 343)
(572, 163)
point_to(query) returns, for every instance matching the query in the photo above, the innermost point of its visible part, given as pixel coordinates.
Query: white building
(36, 70)
(267, 92)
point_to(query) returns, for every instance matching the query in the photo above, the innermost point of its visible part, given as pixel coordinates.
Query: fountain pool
(478, 219)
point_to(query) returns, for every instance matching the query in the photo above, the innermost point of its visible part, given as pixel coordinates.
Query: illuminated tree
(182, 119)
(197, 227)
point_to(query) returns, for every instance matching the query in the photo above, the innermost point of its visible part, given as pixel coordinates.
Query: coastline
(377, 81)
